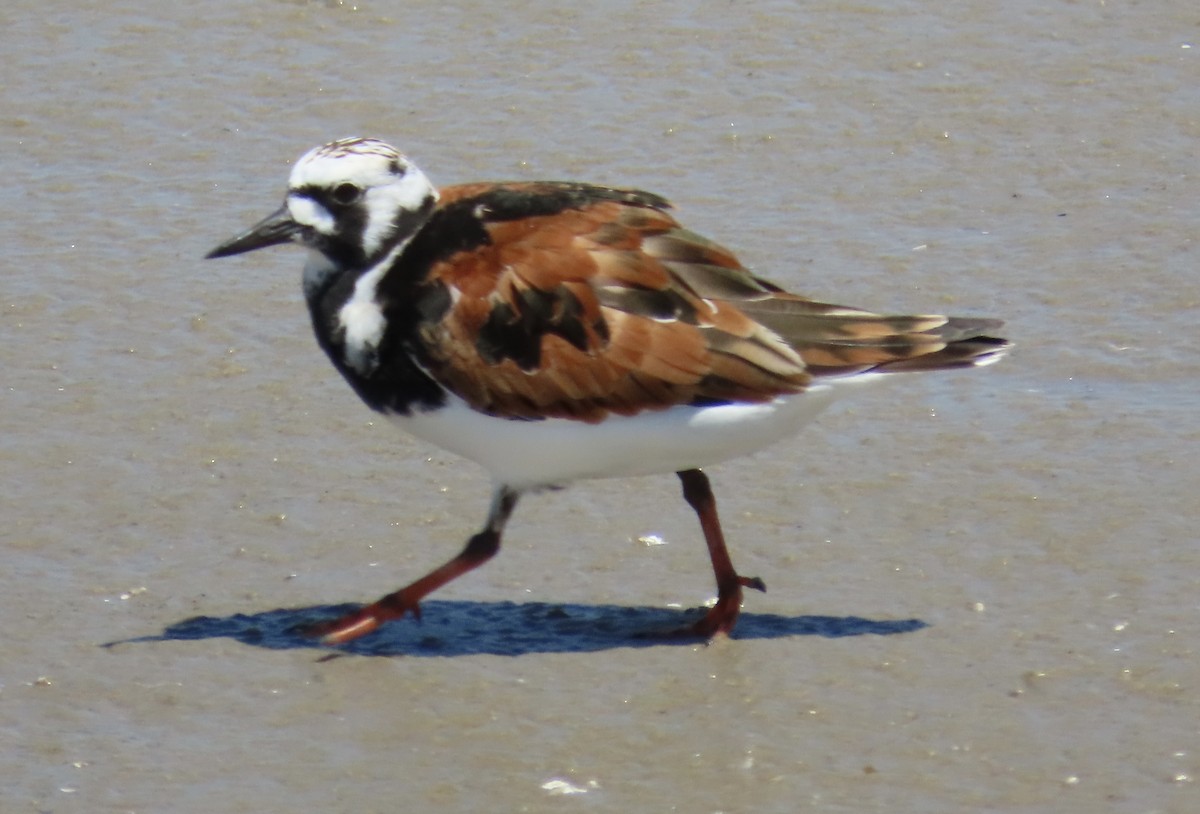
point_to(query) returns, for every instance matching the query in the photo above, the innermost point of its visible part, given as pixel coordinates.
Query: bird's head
(351, 200)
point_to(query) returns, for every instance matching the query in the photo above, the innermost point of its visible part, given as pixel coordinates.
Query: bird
(555, 332)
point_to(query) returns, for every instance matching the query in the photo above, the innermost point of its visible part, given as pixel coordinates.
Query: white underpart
(529, 454)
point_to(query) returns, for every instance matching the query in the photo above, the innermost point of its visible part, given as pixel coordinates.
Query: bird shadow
(462, 628)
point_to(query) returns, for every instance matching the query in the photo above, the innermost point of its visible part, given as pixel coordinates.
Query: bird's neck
(391, 381)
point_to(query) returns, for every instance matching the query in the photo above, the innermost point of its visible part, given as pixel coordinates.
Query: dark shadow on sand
(457, 628)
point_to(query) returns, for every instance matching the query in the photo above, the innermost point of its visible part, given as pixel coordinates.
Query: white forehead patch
(389, 182)
(364, 162)
(307, 212)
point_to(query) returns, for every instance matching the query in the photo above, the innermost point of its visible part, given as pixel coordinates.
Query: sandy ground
(983, 586)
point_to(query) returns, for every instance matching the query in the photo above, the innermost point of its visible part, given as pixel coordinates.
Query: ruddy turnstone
(553, 332)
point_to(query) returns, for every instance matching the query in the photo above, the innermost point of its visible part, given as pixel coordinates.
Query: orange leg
(479, 549)
(723, 616)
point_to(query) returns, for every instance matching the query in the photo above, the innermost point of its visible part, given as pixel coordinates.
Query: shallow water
(982, 585)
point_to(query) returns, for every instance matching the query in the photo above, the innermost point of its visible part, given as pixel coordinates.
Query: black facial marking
(344, 247)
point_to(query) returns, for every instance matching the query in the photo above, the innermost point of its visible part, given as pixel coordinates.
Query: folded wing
(579, 301)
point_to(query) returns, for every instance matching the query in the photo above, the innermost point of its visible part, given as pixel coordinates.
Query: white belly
(526, 454)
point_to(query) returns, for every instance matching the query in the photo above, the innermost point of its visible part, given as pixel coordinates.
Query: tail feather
(975, 351)
(830, 339)
(837, 341)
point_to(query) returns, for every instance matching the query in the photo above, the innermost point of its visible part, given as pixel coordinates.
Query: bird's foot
(722, 617)
(753, 582)
(364, 620)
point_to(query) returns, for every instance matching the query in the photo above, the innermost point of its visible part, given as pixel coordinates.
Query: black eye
(346, 194)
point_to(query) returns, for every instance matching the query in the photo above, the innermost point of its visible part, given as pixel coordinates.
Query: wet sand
(982, 584)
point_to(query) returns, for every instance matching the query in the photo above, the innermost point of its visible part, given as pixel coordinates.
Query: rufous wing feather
(609, 306)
